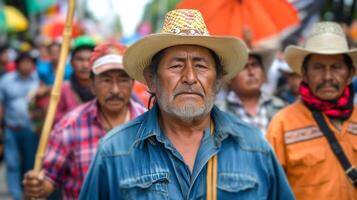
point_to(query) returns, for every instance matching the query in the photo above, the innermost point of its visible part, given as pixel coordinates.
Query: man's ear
(92, 87)
(352, 74)
(149, 80)
(304, 75)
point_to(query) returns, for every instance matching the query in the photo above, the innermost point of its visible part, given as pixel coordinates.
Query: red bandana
(339, 108)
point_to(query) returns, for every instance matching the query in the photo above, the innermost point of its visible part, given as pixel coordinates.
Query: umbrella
(53, 28)
(263, 18)
(14, 20)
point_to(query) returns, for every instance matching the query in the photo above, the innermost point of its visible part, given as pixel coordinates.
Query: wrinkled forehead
(185, 49)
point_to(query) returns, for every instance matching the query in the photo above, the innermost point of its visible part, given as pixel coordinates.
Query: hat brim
(107, 67)
(295, 56)
(231, 51)
(267, 56)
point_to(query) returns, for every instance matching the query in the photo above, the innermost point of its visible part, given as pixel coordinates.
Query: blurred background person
(77, 90)
(289, 89)
(47, 70)
(245, 97)
(20, 139)
(6, 64)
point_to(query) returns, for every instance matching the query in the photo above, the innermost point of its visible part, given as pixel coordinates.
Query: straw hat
(185, 27)
(326, 38)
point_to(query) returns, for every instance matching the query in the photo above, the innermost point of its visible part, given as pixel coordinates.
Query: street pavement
(4, 195)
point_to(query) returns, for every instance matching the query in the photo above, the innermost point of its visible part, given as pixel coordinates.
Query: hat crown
(185, 22)
(326, 37)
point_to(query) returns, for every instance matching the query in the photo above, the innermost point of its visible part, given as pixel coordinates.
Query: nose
(86, 63)
(327, 75)
(189, 75)
(115, 89)
(250, 69)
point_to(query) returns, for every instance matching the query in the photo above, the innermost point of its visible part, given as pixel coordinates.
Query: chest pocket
(234, 185)
(309, 166)
(148, 186)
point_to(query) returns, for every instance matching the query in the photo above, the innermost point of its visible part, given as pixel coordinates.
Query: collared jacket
(137, 161)
(312, 169)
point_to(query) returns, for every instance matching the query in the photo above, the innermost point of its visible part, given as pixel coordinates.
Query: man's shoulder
(292, 110)
(66, 85)
(7, 78)
(80, 113)
(246, 135)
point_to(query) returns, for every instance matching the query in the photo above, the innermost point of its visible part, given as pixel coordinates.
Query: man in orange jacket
(299, 133)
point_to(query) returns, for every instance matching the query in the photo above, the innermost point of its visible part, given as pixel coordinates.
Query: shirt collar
(30, 77)
(222, 123)
(94, 108)
(233, 98)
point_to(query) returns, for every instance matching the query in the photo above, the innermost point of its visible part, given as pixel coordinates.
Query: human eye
(200, 66)
(176, 66)
(105, 80)
(124, 80)
(337, 66)
(317, 67)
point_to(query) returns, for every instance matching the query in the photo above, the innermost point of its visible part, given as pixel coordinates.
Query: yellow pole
(56, 89)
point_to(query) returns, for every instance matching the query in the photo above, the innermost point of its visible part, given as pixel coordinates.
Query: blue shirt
(47, 75)
(15, 96)
(137, 161)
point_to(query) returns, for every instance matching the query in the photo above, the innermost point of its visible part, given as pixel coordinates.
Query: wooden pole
(56, 89)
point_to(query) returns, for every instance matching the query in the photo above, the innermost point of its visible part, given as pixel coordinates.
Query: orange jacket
(312, 169)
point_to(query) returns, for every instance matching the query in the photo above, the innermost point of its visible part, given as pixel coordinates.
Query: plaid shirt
(73, 144)
(267, 107)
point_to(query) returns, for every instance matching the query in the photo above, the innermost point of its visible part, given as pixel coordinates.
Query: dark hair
(158, 56)
(53, 44)
(4, 48)
(346, 58)
(91, 75)
(258, 58)
(23, 56)
(80, 48)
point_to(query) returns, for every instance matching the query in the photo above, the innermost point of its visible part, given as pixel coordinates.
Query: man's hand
(36, 185)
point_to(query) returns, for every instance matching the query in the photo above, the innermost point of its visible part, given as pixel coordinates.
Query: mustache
(83, 70)
(188, 89)
(327, 84)
(114, 98)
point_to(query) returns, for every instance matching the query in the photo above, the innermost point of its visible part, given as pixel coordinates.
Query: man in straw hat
(184, 147)
(245, 97)
(73, 142)
(316, 139)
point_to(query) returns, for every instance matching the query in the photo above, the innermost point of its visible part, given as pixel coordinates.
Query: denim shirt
(137, 161)
(15, 94)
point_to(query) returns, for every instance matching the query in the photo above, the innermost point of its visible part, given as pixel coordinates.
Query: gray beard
(189, 112)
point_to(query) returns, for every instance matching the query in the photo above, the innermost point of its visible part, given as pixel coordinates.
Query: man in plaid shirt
(245, 98)
(73, 142)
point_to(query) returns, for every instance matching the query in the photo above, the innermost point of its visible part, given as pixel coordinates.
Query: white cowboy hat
(267, 56)
(185, 27)
(326, 38)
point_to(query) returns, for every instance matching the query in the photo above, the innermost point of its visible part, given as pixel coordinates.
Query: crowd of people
(213, 127)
